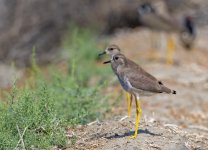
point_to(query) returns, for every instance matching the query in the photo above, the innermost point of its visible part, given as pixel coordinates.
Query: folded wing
(141, 81)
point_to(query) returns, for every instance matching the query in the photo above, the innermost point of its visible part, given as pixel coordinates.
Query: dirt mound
(168, 122)
(114, 134)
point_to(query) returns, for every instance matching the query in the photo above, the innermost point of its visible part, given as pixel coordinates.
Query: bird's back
(139, 82)
(133, 65)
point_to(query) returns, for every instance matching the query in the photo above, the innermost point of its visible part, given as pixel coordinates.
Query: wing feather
(141, 81)
(134, 65)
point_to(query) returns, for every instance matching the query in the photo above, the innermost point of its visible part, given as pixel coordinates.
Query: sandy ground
(168, 122)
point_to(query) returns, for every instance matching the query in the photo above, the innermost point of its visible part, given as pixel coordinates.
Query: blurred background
(43, 24)
(167, 37)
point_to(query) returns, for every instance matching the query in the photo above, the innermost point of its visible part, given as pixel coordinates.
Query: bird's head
(145, 8)
(118, 60)
(189, 25)
(111, 50)
(188, 34)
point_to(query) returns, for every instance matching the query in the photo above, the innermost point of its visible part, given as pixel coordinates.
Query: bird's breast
(124, 84)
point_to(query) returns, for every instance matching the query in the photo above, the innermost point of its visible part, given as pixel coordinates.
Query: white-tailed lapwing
(136, 81)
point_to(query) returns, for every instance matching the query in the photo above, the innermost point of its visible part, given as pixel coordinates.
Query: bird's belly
(142, 92)
(124, 85)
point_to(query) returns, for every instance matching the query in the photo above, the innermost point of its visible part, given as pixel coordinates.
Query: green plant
(33, 110)
(37, 114)
(82, 48)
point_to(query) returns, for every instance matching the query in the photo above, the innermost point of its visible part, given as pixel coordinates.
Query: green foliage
(83, 51)
(33, 110)
(34, 66)
(45, 109)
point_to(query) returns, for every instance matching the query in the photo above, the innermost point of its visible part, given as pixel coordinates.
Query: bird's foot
(132, 137)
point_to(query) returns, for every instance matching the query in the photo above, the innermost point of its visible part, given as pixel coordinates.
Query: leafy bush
(39, 112)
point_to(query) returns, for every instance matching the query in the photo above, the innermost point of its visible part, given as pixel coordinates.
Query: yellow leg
(129, 102)
(170, 48)
(138, 115)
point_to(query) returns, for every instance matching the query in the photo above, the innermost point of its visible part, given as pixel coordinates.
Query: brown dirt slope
(168, 122)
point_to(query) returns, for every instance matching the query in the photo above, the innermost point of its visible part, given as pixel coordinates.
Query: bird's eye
(116, 58)
(110, 49)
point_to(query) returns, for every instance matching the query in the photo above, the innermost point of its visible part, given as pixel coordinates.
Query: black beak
(103, 53)
(106, 62)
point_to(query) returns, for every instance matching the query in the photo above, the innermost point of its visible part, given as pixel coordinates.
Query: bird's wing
(143, 71)
(141, 82)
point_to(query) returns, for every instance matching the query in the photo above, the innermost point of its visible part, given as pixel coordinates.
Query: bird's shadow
(140, 131)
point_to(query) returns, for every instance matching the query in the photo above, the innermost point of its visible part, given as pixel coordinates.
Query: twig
(154, 146)
(174, 128)
(21, 138)
(198, 127)
(171, 125)
(123, 118)
(91, 123)
(188, 146)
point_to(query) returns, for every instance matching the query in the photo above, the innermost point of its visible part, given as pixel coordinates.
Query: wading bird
(136, 81)
(113, 50)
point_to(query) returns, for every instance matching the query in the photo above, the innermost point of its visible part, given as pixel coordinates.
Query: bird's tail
(167, 90)
(173, 92)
